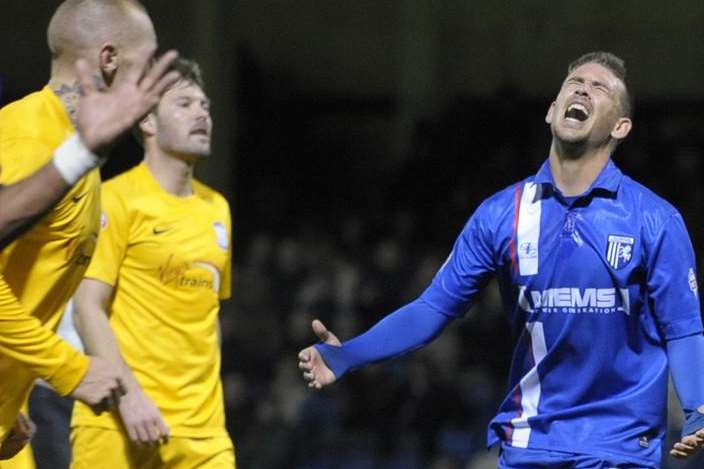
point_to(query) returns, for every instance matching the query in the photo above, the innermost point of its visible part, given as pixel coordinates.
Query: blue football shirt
(594, 285)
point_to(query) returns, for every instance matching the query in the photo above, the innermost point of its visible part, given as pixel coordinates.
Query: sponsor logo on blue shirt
(572, 300)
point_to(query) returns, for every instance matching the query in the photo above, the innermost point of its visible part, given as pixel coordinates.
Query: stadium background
(353, 140)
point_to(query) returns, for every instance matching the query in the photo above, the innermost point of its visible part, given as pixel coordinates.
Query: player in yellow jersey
(151, 297)
(44, 160)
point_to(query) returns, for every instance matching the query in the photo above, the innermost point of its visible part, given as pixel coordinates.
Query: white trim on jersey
(213, 270)
(528, 231)
(530, 387)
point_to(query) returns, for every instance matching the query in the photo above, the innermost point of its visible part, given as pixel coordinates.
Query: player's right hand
(315, 370)
(142, 419)
(101, 388)
(103, 114)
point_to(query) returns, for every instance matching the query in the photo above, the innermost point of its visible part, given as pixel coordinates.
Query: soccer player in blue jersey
(597, 272)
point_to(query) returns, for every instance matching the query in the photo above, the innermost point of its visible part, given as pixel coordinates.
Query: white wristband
(73, 159)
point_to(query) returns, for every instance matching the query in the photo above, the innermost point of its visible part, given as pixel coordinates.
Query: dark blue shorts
(528, 458)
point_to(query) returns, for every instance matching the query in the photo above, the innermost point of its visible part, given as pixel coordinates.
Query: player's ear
(550, 114)
(147, 125)
(108, 62)
(621, 128)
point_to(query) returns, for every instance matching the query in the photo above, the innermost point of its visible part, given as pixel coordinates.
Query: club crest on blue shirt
(619, 250)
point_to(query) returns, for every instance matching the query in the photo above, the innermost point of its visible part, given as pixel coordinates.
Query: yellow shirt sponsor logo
(180, 275)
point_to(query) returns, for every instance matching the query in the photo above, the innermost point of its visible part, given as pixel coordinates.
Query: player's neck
(174, 175)
(573, 174)
(64, 84)
(66, 87)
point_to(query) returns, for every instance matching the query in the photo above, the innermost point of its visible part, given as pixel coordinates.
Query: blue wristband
(694, 423)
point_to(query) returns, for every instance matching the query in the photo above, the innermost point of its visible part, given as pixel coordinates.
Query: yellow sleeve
(226, 285)
(21, 157)
(112, 240)
(24, 339)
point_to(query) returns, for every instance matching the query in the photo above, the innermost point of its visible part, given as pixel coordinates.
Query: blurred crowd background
(353, 140)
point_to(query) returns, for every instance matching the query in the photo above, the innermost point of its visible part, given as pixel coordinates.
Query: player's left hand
(19, 436)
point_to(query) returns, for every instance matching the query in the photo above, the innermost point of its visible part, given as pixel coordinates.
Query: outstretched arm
(139, 414)
(402, 331)
(449, 296)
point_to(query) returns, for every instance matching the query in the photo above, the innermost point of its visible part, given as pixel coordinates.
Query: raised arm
(102, 116)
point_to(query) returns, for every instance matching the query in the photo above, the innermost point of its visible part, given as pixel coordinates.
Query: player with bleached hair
(51, 143)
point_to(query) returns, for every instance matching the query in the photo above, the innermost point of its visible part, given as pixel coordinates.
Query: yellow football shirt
(168, 259)
(40, 271)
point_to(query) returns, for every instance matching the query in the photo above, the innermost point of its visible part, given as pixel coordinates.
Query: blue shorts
(528, 458)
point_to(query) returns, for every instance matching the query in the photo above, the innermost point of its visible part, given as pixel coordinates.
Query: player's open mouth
(577, 111)
(201, 132)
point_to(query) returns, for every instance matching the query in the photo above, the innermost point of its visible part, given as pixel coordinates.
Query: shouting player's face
(588, 109)
(183, 123)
